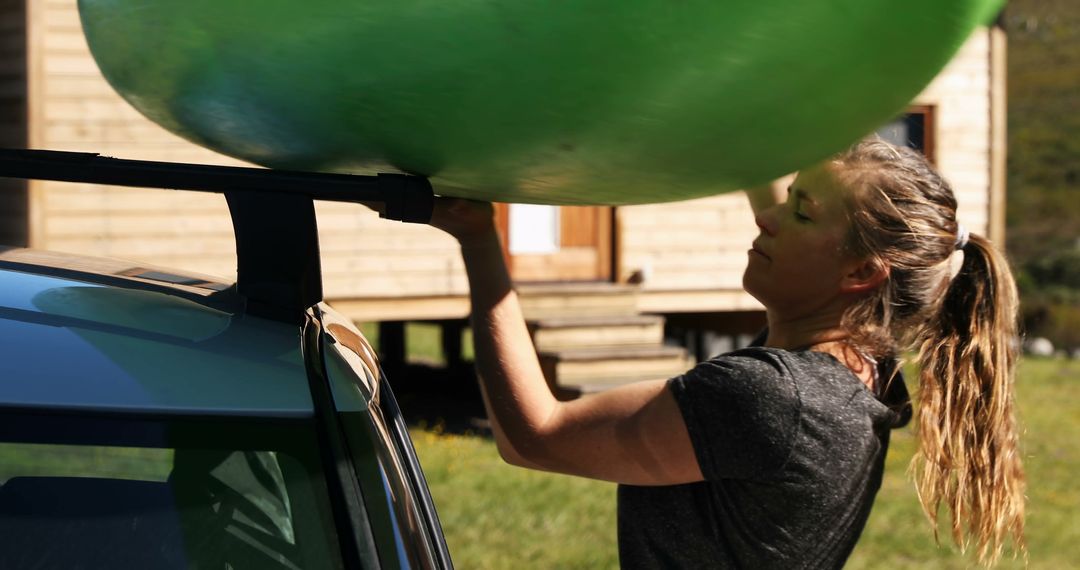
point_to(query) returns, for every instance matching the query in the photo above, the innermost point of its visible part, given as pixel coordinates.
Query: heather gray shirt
(792, 447)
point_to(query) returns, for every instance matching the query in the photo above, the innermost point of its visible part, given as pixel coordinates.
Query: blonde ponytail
(968, 456)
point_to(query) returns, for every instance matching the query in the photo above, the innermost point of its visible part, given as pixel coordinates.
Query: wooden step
(545, 301)
(574, 372)
(596, 332)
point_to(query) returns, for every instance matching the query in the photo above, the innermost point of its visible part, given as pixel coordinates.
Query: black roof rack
(273, 214)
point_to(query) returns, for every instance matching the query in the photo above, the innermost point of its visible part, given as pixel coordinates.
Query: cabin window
(915, 129)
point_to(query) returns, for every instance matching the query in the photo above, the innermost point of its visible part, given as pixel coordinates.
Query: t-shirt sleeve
(742, 413)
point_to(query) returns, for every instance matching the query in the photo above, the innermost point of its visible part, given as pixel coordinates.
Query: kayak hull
(591, 102)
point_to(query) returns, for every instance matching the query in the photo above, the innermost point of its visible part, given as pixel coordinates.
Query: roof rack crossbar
(406, 198)
(273, 214)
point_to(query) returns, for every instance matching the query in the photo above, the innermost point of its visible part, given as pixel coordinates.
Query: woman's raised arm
(633, 434)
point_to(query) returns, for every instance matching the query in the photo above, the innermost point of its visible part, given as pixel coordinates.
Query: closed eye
(798, 196)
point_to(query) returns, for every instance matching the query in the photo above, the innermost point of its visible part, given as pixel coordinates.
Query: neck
(820, 331)
(804, 331)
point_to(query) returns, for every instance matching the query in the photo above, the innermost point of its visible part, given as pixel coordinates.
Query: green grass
(497, 516)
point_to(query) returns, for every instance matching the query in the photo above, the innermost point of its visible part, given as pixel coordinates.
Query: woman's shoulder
(757, 374)
(820, 380)
(742, 412)
(795, 363)
(778, 374)
(779, 362)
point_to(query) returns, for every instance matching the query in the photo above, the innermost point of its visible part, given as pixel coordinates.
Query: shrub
(1050, 289)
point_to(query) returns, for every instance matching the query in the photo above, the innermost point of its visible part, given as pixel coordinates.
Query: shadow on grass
(445, 396)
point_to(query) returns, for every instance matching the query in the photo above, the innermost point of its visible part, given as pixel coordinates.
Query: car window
(109, 503)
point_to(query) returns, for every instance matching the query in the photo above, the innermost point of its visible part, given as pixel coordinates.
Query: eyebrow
(800, 194)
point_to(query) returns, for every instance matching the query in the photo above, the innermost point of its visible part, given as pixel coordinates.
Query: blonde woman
(771, 456)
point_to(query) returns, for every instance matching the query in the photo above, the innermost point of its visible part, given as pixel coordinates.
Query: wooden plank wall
(13, 202)
(78, 111)
(961, 96)
(701, 244)
(690, 245)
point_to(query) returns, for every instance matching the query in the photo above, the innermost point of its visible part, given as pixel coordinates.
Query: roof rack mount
(273, 214)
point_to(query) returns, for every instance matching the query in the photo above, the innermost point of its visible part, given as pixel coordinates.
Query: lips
(756, 249)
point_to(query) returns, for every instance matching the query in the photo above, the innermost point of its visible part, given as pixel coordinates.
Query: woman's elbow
(508, 453)
(529, 456)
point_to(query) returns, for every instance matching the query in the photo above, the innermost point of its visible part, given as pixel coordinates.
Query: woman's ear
(865, 275)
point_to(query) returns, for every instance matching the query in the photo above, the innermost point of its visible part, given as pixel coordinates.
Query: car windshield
(170, 493)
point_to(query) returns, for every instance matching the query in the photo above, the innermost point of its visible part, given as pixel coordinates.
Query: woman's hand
(468, 221)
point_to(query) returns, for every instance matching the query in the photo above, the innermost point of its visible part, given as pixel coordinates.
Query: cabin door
(556, 243)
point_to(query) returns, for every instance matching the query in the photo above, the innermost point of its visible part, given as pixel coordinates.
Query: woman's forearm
(506, 361)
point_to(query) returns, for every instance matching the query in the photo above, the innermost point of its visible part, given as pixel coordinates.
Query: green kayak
(542, 101)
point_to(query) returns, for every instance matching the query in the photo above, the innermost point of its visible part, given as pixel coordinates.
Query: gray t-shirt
(792, 447)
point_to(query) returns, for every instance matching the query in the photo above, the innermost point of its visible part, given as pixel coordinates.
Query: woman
(770, 457)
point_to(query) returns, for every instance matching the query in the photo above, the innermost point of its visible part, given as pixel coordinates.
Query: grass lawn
(497, 516)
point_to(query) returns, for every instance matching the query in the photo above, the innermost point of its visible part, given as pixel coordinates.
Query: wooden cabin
(598, 284)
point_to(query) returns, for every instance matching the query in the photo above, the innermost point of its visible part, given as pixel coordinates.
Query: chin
(751, 287)
(764, 289)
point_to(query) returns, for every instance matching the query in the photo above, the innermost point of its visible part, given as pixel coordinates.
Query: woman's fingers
(463, 218)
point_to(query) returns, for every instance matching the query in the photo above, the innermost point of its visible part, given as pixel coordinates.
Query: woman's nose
(767, 221)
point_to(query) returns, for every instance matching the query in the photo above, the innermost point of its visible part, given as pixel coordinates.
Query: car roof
(91, 334)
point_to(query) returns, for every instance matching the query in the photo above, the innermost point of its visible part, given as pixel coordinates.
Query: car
(154, 418)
